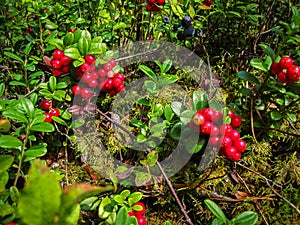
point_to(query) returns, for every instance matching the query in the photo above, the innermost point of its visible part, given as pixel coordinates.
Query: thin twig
(34, 89)
(278, 130)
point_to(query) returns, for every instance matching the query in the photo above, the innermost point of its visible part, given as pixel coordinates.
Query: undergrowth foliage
(59, 64)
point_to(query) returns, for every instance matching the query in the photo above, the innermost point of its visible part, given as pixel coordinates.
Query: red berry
(112, 92)
(156, 8)
(226, 141)
(94, 75)
(282, 77)
(58, 54)
(84, 67)
(160, 2)
(116, 82)
(11, 223)
(141, 220)
(206, 127)
(230, 113)
(93, 83)
(293, 73)
(119, 76)
(225, 129)
(151, 1)
(113, 63)
(78, 73)
(72, 30)
(46, 104)
(131, 213)
(56, 63)
(240, 145)
(76, 89)
(120, 88)
(56, 72)
(208, 112)
(85, 93)
(215, 131)
(86, 78)
(90, 59)
(101, 85)
(108, 66)
(275, 68)
(109, 84)
(54, 112)
(236, 121)
(214, 140)
(102, 72)
(48, 118)
(199, 118)
(235, 135)
(230, 152)
(139, 212)
(149, 7)
(285, 62)
(217, 116)
(66, 61)
(65, 69)
(236, 156)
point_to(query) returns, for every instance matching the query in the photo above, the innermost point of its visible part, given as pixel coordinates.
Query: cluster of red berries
(285, 70)
(11, 223)
(139, 215)
(153, 5)
(60, 63)
(210, 122)
(103, 78)
(50, 111)
(207, 3)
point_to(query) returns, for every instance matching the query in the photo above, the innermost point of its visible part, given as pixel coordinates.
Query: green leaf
(3, 181)
(149, 72)
(28, 107)
(144, 101)
(35, 152)
(150, 86)
(68, 39)
(120, 25)
(292, 117)
(7, 141)
(275, 115)
(17, 83)
(166, 66)
(41, 197)
(2, 88)
(50, 25)
(72, 53)
(5, 162)
(269, 51)
(216, 210)
(83, 45)
(178, 108)
(90, 204)
(216, 221)
(258, 64)
(247, 77)
(42, 127)
(59, 120)
(246, 218)
(14, 194)
(6, 209)
(186, 116)
(52, 83)
(86, 34)
(175, 131)
(122, 216)
(134, 198)
(59, 95)
(13, 56)
(199, 100)
(168, 113)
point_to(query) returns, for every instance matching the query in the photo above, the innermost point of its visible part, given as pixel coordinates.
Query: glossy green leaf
(90, 203)
(258, 64)
(122, 216)
(72, 53)
(17, 83)
(216, 210)
(292, 117)
(2, 88)
(246, 218)
(50, 25)
(35, 152)
(42, 127)
(14, 194)
(86, 34)
(275, 115)
(83, 45)
(216, 221)
(168, 113)
(5, 162)
(120, 25)
(134, 197)
(68, 39)
(7, 141)
(178, 108)
(166, 66)
(6, 209)
(52, 83)
(3, 181)
(175, 131)
(247, 77)
(59, 95)
(186, 116)
(148, 71)
(28, 107)
(59, 120)
(269, 51)
(14, 56)
(199, 100)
